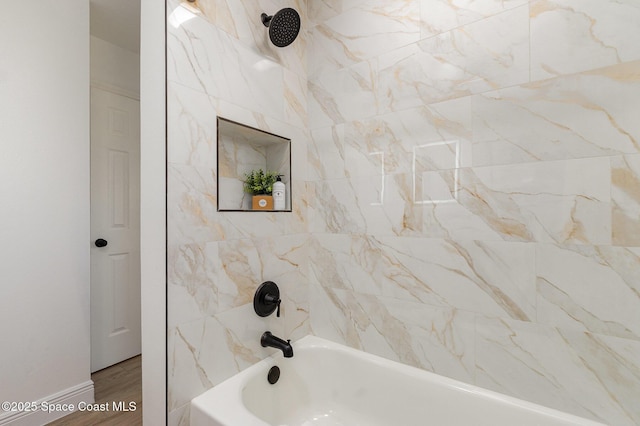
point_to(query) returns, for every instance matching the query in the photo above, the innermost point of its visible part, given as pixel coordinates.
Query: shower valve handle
(267, 299)
(273, 299)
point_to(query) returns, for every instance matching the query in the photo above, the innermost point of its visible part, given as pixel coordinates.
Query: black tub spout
(269, 340)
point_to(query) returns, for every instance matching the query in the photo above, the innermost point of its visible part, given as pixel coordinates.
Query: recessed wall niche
(241, 149)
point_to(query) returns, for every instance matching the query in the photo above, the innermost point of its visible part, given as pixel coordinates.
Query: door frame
(153, 210)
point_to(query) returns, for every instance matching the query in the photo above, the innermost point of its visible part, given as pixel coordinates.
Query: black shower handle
(273, 299)
(267, 299)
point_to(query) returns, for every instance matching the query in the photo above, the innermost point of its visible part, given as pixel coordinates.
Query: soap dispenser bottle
(279, 194)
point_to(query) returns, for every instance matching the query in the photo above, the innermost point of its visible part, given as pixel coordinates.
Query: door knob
(101, 243)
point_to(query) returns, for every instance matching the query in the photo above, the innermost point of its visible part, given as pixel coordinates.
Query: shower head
(284, 26)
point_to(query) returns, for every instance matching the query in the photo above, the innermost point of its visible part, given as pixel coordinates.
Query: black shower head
(284, 26)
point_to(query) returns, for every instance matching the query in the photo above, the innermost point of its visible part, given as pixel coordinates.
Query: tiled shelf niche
(241, 149)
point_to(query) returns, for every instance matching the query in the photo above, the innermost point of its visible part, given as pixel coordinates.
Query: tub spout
(269, 340)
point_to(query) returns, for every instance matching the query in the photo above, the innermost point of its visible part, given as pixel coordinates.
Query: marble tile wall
(467, 180)
(474, 192)
(220, 63)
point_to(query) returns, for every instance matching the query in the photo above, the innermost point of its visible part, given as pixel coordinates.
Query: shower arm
(266, 19)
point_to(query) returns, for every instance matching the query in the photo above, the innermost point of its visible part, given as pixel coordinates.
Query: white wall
(114, 68)
(44, 188)
(153, 205)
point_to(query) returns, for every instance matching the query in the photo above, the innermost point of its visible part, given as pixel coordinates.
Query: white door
(115, 219)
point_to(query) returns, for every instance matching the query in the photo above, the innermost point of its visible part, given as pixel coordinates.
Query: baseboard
(73, 395)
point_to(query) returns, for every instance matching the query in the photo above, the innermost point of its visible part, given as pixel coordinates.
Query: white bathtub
(329, 384)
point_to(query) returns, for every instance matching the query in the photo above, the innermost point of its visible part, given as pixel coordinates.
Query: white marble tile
(255, 35)
(297, 221)
(244, 77)
(431, 187)
(239, 156)
(191, 205)
(207, 279)
(548, 202)
(459, 222)
(346, 262)
(380, 204)
(300, 141)
(248, 116)
(589, 375)
(445, 154)
(326, 316)
(182, 306)
(190, 43)
(285, 260)
(255, 81)
(192, 190)
(491, 278)
(333, 207)
(321, 10)
(242, 331)
(191, 126)
(218, 12)
(228, 16)
(438, 16)
(615, 363)
(205, 352)
(185, 378)
(297, 324)
(232, 195)
(474, 276)
(343, 95)
(433, 339)
(245, 263)
(295, 100)
(224, 340)
(590, 288)
(440, 340)
(366, 258)
(255, 224)
(180, 416)
(193, 216)
(241, 20)
(583, 115)
(326, 158)
(569, 36)
(625, 198)
(192, 282)
(240, 274)
(362, 32)
(478, 57)
(586, 176)
(559, 201)
(434, 137)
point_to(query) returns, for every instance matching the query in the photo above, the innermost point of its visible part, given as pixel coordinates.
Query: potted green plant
(259, 184)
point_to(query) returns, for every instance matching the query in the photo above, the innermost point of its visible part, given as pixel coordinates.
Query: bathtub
(329, 384)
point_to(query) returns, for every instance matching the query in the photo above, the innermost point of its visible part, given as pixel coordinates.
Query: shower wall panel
(474, 206)
(220, 63)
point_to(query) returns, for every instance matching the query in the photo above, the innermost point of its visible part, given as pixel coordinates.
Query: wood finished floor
(120, 382)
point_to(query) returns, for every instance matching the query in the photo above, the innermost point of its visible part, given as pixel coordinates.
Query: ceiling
(118, 22)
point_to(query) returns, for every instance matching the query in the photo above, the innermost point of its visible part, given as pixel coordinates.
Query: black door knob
(101, 243)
